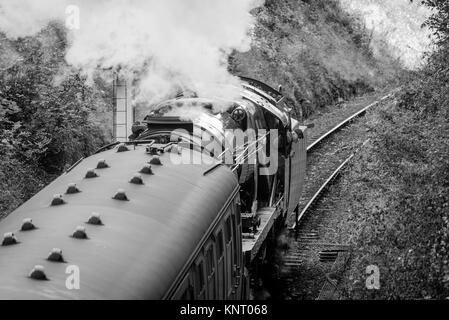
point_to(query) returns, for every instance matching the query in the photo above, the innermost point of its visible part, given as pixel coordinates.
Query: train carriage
(135, 221)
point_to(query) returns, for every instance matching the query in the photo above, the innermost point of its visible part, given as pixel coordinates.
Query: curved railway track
(308, 260)
(320, 192)
(315, 141)
(317, 138)
(329, 169)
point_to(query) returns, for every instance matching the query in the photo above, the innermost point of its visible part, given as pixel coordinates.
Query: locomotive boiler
(144, 220)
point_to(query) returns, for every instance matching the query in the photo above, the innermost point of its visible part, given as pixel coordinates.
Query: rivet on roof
(136, 179)
(91, 174)
(55, 255)
(121, 195)
(122, 148)
(102, 164)
(156, 161)
(80, 233)
(71, 189)
(57, 200)
(95, 219)
(38, 273)
(27, 225)
(146, 169)
(9, 239)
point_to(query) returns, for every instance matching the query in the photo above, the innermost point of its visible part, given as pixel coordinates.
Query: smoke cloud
(162, 44)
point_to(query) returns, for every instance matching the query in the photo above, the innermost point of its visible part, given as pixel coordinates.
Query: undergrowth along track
(308, 267)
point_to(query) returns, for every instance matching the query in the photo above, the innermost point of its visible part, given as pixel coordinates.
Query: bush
(400, 186)
(46, 112)
(318, 52)
(401, 200)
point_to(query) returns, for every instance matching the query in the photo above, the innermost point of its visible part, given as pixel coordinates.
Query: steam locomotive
(137, 221)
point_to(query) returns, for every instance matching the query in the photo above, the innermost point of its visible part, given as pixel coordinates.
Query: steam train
(137, 221)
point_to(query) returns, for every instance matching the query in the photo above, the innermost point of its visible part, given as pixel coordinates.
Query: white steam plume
(169, 43)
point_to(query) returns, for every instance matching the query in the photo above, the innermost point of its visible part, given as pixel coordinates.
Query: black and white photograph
(267, 151)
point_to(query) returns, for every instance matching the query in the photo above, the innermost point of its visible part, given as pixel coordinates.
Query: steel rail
(320, 191)
(337, 171)
(345, 122)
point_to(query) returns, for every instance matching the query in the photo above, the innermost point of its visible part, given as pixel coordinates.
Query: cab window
(200, 283)
(220, 244)
(228, 230)
(210, 270)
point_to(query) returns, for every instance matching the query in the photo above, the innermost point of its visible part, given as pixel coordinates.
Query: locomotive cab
(269, 162)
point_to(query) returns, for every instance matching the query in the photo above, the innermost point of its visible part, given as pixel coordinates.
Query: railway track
(308, 268)
(320, 192)
(328, 169)
(321, 135)
(314, 142)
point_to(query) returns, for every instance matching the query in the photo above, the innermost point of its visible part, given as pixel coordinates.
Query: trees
(438, 21)
(404, 206)
(319, 52)
(46, 110)
(46, 104)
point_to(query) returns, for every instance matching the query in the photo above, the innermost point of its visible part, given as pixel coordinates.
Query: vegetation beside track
(317, 51)
(49, 115)
(396, 192)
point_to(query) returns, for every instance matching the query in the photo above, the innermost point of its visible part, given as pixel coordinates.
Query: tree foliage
(438, 21)
(318, 52)
(401, 185)
(45, 113)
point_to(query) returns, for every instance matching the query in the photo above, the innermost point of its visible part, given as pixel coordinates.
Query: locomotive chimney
(123, 116)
